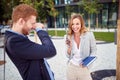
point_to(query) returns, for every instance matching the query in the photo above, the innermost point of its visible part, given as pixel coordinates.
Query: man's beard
(25, 30)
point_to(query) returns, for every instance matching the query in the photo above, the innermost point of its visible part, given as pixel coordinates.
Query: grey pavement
(106, 59)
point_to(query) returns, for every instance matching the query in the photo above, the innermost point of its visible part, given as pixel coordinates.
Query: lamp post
(118, 45)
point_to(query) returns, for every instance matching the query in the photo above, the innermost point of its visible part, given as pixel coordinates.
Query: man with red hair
(29, 57)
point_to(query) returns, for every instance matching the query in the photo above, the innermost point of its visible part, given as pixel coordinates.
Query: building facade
(106, 18)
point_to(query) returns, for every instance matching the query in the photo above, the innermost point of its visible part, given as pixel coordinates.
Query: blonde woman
(80, 44)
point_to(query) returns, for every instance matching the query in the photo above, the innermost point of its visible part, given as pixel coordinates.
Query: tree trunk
(55, 26)
(96, 20)
(89, 21)
(35, 35)
(118, 45)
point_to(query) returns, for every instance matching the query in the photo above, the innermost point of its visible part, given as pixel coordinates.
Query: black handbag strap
(4, 59)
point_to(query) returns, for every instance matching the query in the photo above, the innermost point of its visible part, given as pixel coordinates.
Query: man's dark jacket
(28, 56)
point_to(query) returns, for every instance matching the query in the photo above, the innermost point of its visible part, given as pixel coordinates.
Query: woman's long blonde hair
(83, 28)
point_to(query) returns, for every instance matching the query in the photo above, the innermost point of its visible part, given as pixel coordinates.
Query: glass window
(61, 18)
(104, 17)
(56, 2)
(112, 14)
(75, 0)
(93, 20)
(62, 1)
(67, 1)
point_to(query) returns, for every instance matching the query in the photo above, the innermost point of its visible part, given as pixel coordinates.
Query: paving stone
(106, 59)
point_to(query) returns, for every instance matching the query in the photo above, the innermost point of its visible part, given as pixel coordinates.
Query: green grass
(59, 32)
(102, 36)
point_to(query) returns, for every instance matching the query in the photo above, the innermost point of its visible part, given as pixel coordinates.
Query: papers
(88, 60)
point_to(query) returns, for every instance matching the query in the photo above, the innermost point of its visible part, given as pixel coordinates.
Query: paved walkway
(106, 59)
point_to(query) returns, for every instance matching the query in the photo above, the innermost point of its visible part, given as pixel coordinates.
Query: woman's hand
(69, 44)
(81, 65)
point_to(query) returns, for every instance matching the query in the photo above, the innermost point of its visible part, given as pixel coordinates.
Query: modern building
(106, 18)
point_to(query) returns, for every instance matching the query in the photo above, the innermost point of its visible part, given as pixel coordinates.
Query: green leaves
(91, 6)
(51, 6)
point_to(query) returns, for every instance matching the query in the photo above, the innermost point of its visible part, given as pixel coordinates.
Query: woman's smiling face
(76, 25)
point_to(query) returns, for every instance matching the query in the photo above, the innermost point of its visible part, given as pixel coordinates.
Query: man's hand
(39, 25)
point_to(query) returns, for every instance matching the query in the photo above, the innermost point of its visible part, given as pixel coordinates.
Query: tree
(1, 12)
(6, 7)
(6, 10)
(68, 10)
(118, 45)
(27, 2)
(39, 6)
(52, 12)
(91, 7)
(44, 8)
